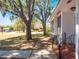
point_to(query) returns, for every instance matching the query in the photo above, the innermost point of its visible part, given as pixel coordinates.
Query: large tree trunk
(44, 28)
(28, 30)
(28, 27)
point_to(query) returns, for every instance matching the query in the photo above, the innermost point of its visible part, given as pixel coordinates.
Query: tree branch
(14, 6)
(33, 7)
(13, 13)
(20, 5)
(22, 15)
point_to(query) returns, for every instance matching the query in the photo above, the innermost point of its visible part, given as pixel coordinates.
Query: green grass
(17, 43)
(12, 43)
(47, 34)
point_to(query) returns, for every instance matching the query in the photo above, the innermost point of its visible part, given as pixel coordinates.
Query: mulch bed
(66, 52)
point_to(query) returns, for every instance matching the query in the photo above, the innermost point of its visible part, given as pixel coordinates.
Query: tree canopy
(43, 11)
(26, 10)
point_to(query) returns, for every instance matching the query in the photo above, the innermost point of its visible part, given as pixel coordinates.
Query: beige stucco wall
(67, 23)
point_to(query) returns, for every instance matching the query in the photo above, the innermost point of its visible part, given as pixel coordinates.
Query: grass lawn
(19, 43)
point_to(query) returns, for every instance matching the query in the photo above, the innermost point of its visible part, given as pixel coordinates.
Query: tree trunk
(44, 28)
(28, 30)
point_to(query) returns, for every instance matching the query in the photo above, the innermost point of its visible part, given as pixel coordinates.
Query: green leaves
(3, 11)
(19, 25)
(12, 18)
(43, 9)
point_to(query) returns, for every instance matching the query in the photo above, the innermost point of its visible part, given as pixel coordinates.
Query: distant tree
(43, 11)
(19, 25)
(33, 22)
(7, 28)
(1, 28)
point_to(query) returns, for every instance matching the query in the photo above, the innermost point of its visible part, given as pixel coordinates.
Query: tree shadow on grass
(19, 43)
(13, 43)
(37, 35)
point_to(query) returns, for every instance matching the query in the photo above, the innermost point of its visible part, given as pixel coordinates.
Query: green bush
(48, 29)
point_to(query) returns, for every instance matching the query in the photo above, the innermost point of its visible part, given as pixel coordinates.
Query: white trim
(77, 29)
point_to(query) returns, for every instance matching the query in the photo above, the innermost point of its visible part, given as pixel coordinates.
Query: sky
(54, 4)
(4, 21)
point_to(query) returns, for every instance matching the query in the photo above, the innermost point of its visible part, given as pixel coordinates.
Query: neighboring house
(65, 22)
(37, 26)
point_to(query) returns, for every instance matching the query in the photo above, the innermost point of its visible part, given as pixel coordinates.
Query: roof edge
(59, 2)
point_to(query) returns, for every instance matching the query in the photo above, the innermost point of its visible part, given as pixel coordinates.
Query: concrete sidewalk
(44, 51)
(43, 54)
(15, 54)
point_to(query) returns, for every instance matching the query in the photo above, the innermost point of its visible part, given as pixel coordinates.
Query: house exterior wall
(68, 23)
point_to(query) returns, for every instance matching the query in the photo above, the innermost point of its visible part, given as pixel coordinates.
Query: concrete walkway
(15, 54)
(44, 51)
(43, 54)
